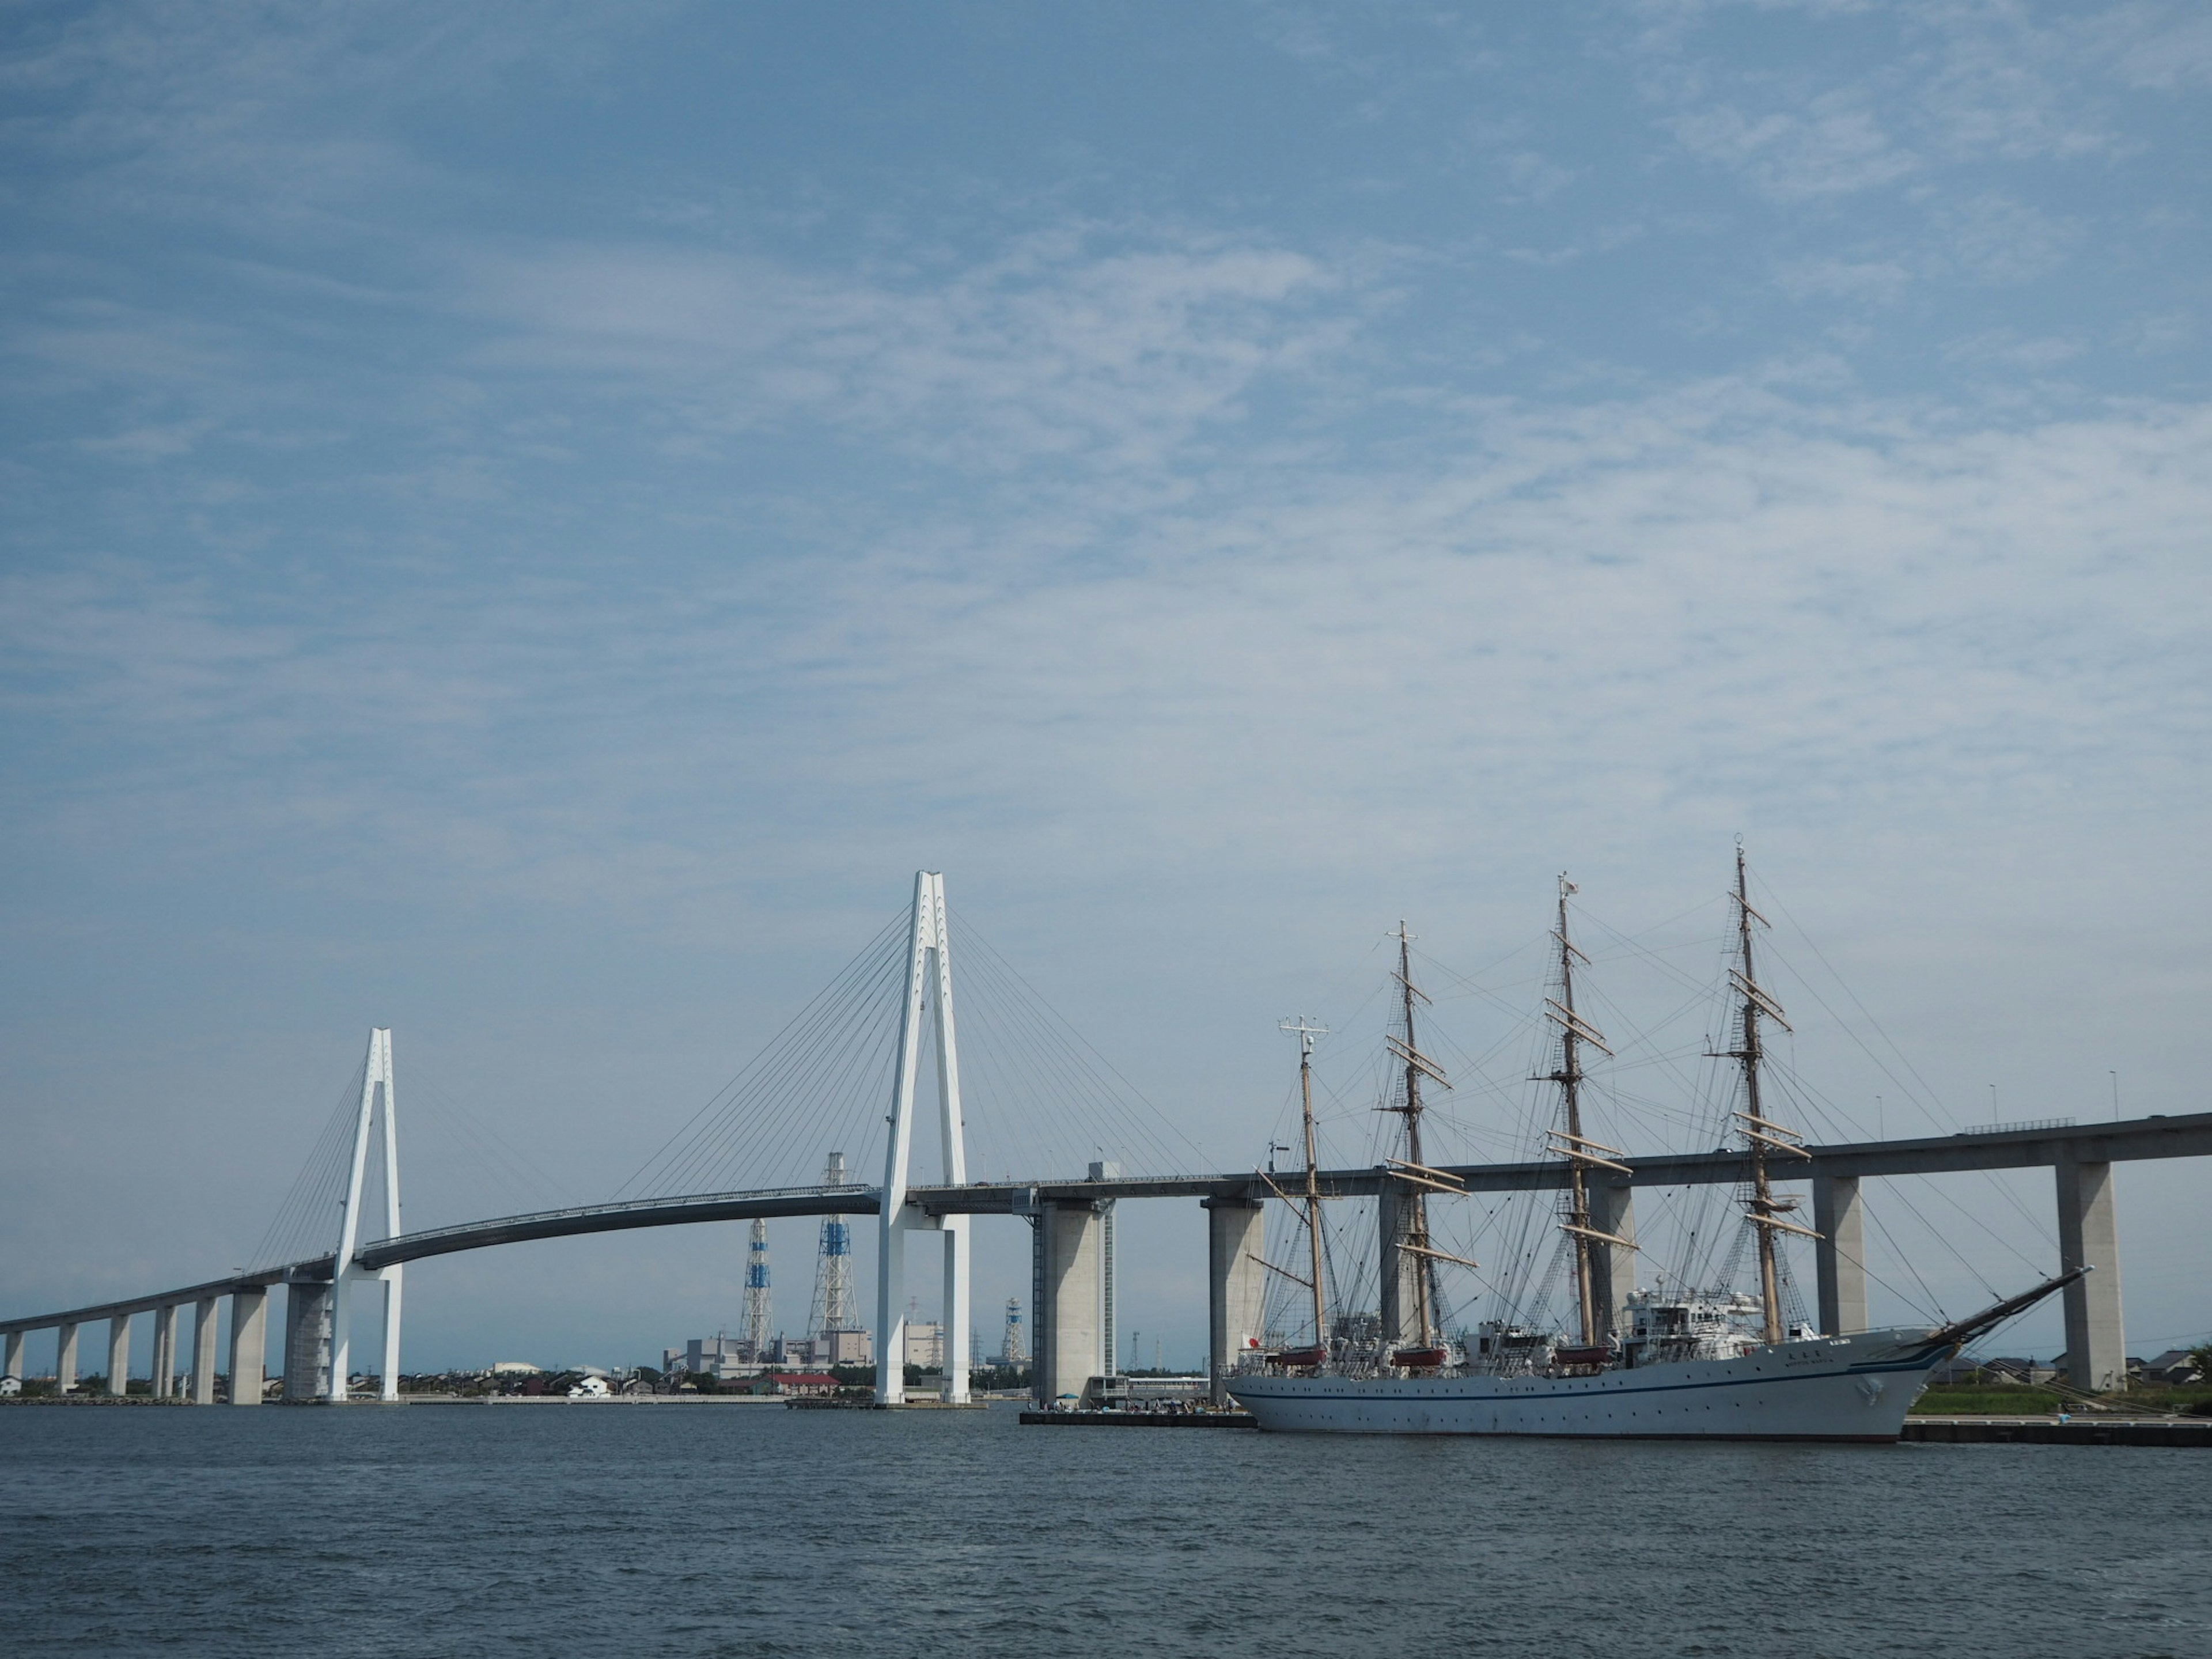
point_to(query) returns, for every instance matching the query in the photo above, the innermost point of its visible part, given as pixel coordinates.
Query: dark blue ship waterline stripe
(1863, 1369)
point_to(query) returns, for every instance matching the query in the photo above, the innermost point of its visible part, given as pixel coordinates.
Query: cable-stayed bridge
(842, 1075)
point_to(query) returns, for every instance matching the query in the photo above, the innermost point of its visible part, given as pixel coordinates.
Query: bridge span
(1068, 1249)
(1064, 1216)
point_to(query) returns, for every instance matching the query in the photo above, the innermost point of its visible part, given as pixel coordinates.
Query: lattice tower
(834, 1308)
(757, 1315)
(1013, 1349)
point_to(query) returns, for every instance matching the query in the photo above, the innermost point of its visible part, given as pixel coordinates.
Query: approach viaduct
(1066, 1252)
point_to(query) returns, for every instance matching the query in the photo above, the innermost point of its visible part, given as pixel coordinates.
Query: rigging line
(829, 1071)
(757, 1132)
(1074, 1095)
(1467, 983)
(1061, 1074)
(766, 1148)
(320, 1178)
(1796, 927)
(790, 1062)
(710, 1145)
(969, 929)
(1000, 1138)
(456, 1113)
(314, 1179)
(867, 951)
(1335, 990)
(1034, 1101)
(1656, 960)
(1905, 1256)
(1022, 1098)
(519, 1195)
(1044, 1103)
(762, 1088)
(1991, 1178)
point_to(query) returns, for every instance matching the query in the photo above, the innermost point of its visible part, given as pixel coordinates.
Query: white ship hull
(1844, 1388)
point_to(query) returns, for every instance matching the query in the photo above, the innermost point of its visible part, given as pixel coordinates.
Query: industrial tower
(757, 1295)
(1013, 1350)
(833, 1309)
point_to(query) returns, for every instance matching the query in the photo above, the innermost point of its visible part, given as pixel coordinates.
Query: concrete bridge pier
(118, 1355)
(249, 1344)
(1613, 1267)
(307, 1319)
(1067, 1283)
(203, 1333)
(1235, 1285)
(65, 1358)
(1400, 1270)
(1840, 1256)
(15, 1356)
(2088, 1236)
(165, 1350)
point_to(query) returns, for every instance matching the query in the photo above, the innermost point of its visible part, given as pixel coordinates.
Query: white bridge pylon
(929, 953)
(376, 1089)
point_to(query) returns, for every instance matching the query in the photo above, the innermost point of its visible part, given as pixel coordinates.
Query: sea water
(711, 1529)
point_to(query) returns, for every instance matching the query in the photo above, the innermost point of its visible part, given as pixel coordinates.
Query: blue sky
(529, 526)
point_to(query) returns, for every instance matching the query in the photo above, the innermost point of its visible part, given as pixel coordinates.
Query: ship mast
(1306, 1035)
(1581, 1153)
(1414, 1240)
(1763, 1137)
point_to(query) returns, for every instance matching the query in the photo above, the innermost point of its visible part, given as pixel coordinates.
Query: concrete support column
(64, 1358)
(1400, 1270)
(1839, 1255)
(2088, 1236)
(1068, 1275)
(249, 1344)
(1613, 1267)
(15, 1356)
(307, 1310)
(954, 1310)
(118, 1355)
(394, 1277)
(202, 1391)
(165, 1350)
(1235, 1285)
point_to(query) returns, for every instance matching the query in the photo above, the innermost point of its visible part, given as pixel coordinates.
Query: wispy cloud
(1052, 348)
(1834, 148)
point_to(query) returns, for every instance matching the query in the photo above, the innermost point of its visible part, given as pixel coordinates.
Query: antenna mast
(1762, 1136)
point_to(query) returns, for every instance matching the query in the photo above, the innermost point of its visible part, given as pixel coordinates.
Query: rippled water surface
(746, 1529)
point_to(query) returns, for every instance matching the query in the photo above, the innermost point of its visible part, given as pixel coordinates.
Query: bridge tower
(929, 969)
(328, 1308)
(758, 1314)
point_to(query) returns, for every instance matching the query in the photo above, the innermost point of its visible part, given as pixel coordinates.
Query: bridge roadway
(2081, 1154)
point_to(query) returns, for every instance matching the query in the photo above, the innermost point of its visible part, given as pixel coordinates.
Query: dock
(1140, 1420)
(2052, 1431)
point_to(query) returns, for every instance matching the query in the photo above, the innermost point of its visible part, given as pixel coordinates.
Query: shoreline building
(924, 1346)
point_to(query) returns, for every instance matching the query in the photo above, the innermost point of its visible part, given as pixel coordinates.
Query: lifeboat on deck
(1581, 1356)
(1300, 1359)
(1419, 1359)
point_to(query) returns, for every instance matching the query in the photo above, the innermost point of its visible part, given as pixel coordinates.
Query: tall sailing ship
(1638, 1363)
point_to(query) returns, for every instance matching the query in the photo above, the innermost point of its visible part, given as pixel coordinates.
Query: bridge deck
(2187, 1136)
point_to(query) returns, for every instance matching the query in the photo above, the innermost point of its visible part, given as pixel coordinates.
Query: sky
(528, 525)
